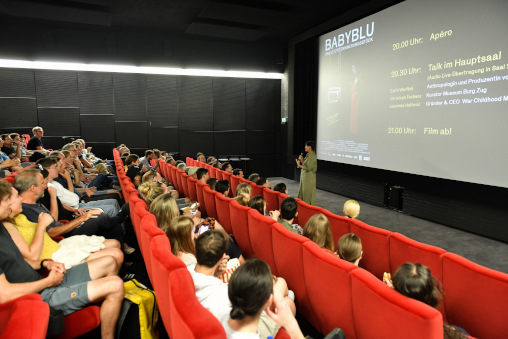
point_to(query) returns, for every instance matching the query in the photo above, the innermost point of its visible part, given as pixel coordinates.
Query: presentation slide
(421, 88)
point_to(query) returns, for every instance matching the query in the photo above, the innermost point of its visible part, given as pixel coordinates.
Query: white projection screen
(420, 88)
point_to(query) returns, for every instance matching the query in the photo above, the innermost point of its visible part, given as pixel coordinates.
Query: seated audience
(35, 144)
(94, 282)
(288, 213)
(243, 191)
(191, 171)
(258, 203)
(349, 248)
(211, 160)
(170, 160)
(10, 148)
(222, 186)
(318, 230)
(202, 175)
(145, 161)
(181, 166)
(212, 293)
(416, 281)
(226, 166)
(181, 239)
(238, 172)
(263, 182)
(281, 187)
(8, 164)
(212, 182)
(201, 157)
(135, 173)
(34, 242)
(251, 291)
(253, 177)
(351, 209)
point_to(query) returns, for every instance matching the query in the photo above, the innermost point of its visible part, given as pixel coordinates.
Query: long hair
(180, 235)
(258, 203)
(318, 230)
(164, 208)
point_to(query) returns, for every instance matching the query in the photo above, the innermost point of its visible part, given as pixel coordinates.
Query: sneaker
(127, 249)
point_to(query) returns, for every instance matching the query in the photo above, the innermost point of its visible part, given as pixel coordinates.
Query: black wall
(217, 116)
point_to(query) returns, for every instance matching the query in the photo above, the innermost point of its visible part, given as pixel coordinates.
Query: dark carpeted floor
(484, 251)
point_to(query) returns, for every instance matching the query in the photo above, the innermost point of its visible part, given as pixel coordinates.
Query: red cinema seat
(201, 198)
(181, 312)
(338, 224)
(404, 249)
(222, 206)
(305, 211)
(476, 297)
(234, 182)
(288, 255)
(226, 176)
(179, 180)
(240, 226)
(149, 230)
(256, 189)
(328, 282)
(375, 245)
(185, 186)
(272, 199)
(138, 210)
(219, 174)
(188, 161)
(191, 184)
(172, 174)
(209, 197)
(127, 190)
(81, 322)
(282, 196)
(212, 171)
(260, 232)
(381, 312)
(15, 313)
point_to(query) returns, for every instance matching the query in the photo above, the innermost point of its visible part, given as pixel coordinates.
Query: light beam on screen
(68, 66)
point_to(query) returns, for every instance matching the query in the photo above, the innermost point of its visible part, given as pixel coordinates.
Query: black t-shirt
(63, 214)
(7, 150)
(33, 143)
(32, 211)
(12, 263)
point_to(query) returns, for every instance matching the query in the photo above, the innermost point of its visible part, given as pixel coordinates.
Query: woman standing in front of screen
(307, 190)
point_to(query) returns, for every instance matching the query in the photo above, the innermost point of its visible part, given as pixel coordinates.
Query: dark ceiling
(241, 20)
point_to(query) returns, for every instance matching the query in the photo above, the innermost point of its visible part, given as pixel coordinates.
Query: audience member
(253, 177)
(181, 239)
(35, 142)
(351, 209)
(212, 182)
(200, 157)
(10, 148)
(258, 203)
(202, 175)
(349, 248)
(191, 171)
(251, 291)
(226, 166)
(238, 172)
(243, 191)
(281, 187)
(211, 160)
(145, 161)
(95, 281)
(288, 212)
(263, 182)
(222, 186)
(318, 230)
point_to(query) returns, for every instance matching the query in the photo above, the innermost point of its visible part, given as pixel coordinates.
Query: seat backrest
(191, 184)
(272, 199)
(288, 255)
(149, 230)
(260, 232)
(174, 180)
(212, 171)
(256, 189)
(475, 297)
(209, 197)
(404, 249)
(328, 284)
(219, 174)
(234, 182)
(201, 198)
(227, 176)
(138, 209)
(185, 186)
(375, 245)
(222, 207)
(189, 161)
(305, 211)
(179, 178)
(339, 225)
(240, 226)
(14, 315)
(381, 312)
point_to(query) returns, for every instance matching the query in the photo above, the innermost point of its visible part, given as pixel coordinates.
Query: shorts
(72, 294)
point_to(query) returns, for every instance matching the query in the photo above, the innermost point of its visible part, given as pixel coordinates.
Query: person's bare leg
(114, 252)
(109, 291)
(105, 266)
(112, 243)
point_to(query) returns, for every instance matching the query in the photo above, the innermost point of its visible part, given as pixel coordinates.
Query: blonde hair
(241, 200)
(243, 188)
(149, 191)
(164, 208)
(180, 235)
(318, 230)
(349, 247)
(351, 209)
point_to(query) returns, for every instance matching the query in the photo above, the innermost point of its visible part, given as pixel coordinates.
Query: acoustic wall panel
(17, 83)
(98, 128)
(133, 134)
(261, 142)
(195, 104)
(56, 89)
(130, 97)
(162, 100)
(95, 93)
(18, 112)
(58, 122)
(261, 104)
(263, 164)
(192, 142)
(228, 104)
(163, 138)
(230, 143)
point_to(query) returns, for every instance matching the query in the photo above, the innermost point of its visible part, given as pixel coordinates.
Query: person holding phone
(308, 165)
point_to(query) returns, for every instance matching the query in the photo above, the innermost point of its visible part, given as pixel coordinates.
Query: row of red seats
(181, 312)
(13, 314)
(474, 298)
